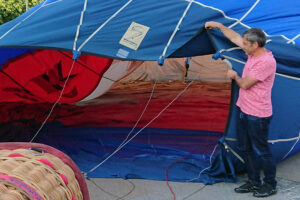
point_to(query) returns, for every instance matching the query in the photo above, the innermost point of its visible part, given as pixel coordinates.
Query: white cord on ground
(292, 147)
(124, 143)
(210, 160)
(61, 93)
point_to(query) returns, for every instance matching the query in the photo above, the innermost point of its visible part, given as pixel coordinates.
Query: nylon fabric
(53, 25)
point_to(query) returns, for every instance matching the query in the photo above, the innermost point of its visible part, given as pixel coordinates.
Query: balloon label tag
(134, 35)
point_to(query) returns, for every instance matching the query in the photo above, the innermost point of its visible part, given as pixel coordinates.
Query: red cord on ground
(166, 174)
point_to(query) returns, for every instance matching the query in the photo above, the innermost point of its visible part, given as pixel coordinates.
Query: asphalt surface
(288, 177)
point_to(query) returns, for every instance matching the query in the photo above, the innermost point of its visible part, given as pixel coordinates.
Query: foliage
(10, 9)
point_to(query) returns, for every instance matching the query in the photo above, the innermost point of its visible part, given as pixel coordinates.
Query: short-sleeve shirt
(256, 100)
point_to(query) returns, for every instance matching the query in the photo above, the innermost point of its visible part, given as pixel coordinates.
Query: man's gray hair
(256, 35)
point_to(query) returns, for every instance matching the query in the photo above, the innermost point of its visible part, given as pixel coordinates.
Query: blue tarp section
(53, 25)
(141, 158)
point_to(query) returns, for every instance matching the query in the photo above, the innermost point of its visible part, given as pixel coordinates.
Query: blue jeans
(252, 137)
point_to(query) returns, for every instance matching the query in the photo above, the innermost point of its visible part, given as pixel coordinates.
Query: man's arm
(244, 83)
(248, 81)
(229, 33)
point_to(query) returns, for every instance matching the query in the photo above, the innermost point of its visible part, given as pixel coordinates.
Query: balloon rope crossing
(76, 55)
(127, 141)
(54, 105)
(121, 145)
(143, 112)
(104, 24)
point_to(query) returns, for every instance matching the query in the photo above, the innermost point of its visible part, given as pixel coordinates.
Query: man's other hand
(231, 74)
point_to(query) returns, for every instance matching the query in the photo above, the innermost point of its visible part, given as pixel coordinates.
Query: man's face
(249, 47)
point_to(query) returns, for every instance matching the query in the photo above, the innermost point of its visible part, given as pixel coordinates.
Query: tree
(10, 9)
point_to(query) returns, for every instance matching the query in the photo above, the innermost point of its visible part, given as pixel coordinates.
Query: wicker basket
(27, 174)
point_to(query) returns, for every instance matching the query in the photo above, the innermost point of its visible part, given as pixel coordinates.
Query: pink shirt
(256, 100)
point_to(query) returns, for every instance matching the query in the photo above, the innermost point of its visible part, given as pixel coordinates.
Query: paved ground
(288, 176)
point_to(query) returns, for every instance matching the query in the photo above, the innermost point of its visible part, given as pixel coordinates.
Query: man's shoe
(247, 187)
(265, 190)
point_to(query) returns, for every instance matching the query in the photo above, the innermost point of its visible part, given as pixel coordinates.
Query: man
(255, 106)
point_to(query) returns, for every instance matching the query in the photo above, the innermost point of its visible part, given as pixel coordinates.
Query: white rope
(48, 4)
(278, 74)
(210, 161)
(288, 76)
(283, 36)
(230, 49)
(124, 143)
(228, 63)
(284, 140)
(292, 147)
(177, 28)
(231, 139)
(15, 26)
(234, 59)
(79, 25)
(293, 39)
(152, 92)
(270, 141)
(108, 20)
(216, 9)
(235, 19)
(221, 11)
(61, 93)
(237, 48)
(245, 15)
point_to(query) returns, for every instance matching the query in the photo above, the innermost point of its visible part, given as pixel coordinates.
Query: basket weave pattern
(46, 174)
